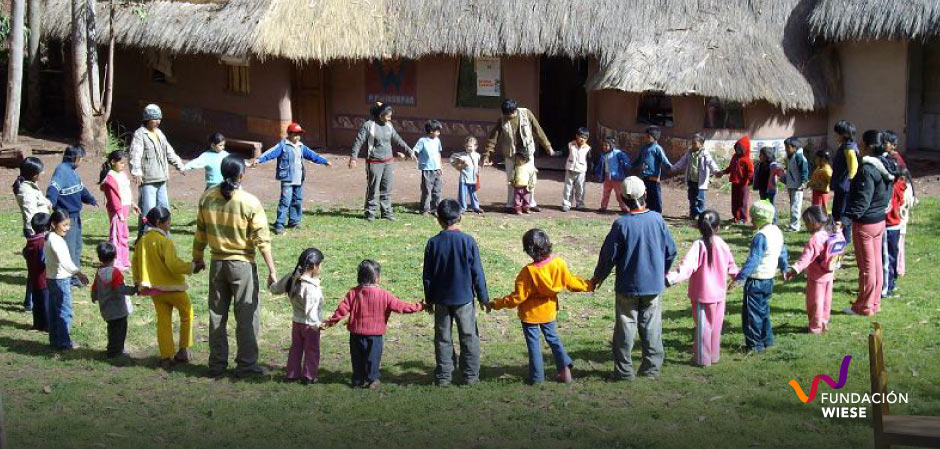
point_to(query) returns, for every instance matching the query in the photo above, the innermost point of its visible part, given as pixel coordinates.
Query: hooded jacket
(537, 288)
(741, 168)
(870, 191)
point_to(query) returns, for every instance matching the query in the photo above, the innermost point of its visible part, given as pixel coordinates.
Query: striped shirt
(233, 229)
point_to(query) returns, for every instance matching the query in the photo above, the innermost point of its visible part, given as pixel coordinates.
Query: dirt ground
(340, 186)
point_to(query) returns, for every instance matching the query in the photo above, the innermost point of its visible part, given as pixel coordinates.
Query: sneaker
(370, 218)
(565, 208)
(517, 211)
(310, 381)
(564, 376)
(374, 385)
(166, 364)
(293, 226)
(278, 231)
(535, 209)
(526, 211)
(184, 355)
(478, 211)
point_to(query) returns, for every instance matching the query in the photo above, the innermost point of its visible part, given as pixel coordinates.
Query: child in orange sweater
(536, 296)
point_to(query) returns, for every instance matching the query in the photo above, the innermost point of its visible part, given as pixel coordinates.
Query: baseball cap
(633, 188)
(295, 128)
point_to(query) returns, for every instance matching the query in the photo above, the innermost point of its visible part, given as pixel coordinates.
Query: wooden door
(308, 102)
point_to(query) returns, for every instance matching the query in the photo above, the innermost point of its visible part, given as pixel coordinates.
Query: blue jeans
(467, 193)
(289, 208)
(654, 195)
(532, 333)
(39, 299)
(892, 238)
(60, 313)
(74, 241)
(696, 200)
(149, 196)
(366, 354)
(755, 315)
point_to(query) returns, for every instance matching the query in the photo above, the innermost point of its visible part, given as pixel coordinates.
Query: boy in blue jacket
(453, 275)
(290, 154)
(652, 161)
(611, 170)
(67, 192)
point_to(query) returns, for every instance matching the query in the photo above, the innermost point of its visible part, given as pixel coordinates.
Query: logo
(843, 376)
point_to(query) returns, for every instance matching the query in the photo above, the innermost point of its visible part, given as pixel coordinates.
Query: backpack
(833, 251)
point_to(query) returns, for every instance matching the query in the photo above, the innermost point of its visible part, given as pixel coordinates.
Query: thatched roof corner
(862, 20)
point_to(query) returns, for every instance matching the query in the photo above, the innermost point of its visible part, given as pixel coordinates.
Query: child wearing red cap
(290, 154)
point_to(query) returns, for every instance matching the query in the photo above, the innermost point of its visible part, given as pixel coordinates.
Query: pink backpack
(833, 251)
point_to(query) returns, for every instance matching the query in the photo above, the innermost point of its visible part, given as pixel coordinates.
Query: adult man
(641, 248)
(151, 154)
(516, 130)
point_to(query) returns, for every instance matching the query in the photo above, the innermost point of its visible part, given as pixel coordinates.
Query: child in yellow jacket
(159, 273)
(536, 296)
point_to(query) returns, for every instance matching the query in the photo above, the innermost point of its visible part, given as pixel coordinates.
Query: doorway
(308, 101)
(562, 98)
(923, 120)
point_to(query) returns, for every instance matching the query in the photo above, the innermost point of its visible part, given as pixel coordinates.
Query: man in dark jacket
(453, 274)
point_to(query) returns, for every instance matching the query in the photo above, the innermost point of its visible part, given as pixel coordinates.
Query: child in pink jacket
(709, 263)
(820, 259)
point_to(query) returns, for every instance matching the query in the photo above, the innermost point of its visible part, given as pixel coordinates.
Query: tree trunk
(11, 119)
(92, 101)
(33, 87)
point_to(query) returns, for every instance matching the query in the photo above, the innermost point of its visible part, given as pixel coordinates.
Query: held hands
(272, 278)
(428, 307)
(488, 306)
(325, 325)
(135, 208)
(82, 278)
(198, 266)
(789, 274)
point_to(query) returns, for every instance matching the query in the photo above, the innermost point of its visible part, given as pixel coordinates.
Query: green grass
(78, 399)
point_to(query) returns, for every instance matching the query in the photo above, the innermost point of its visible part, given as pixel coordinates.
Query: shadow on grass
(15, 325)
(12, 307)
(12, 280)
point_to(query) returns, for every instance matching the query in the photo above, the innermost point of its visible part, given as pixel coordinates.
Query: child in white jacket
(302, 287)
(699, 166)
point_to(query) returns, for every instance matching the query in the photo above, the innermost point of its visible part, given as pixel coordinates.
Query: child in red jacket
(740, 172)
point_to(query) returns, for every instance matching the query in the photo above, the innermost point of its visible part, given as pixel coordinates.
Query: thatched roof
(743, 50)
(847, 20)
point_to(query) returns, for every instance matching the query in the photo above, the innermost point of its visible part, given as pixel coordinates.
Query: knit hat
(633, 188)
(152, 112)
(762, 212)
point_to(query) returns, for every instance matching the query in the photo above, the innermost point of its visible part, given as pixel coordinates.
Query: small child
(110, 293)
(67, 193)
(119, 201)
(766, 175)
(699, 166)
(795, 177)
(60, 270)
(536, 296)
(31, 202)
(653, 162)
(210, 160)
(159, 273)
(302, 287)
(740, 173)
(822, 255)
(428, 149)
(910, 200)
(892, 236)
(767, 254)
(290, 154)
(468, 164)
(575, 170)
(36, 284)
(613, 167)
(523, 182)
(368, 307)
(709, 263)
(820, 180)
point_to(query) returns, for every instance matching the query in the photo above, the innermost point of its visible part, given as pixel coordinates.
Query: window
(161, 67)
(721, 114)
(479, 83)
(655, 109)
(239, 79)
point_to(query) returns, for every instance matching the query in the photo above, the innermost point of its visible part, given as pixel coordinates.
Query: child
(821, 257)
(767, 253)
(740, 173)
(523, 182)
(893, 230)
(575, 169)
(60, 270)
(302, 287)
(468, 164)
(612, 168)
(795, 178)
(536, 296)
(36, 284)
(110, 293)
(845, 165)
(291, 172)
(819, 182)
(652, 161)
(159, 273)
(31, 201)
(368, 307)
(453, 276)
(698, 165)
(909, 202)
(66, 192)
(119, 201)
(428, 149)
(709, 263)
(766, 175)
(210, 160)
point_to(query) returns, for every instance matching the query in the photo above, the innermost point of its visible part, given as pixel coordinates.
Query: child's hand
(488, 306)
(429, 308)
(135, 208)
(82, 278)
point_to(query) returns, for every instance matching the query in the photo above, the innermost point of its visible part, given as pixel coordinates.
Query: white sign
(488, 79)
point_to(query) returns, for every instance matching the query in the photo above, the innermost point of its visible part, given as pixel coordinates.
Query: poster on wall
(392, 81)
(488, 77)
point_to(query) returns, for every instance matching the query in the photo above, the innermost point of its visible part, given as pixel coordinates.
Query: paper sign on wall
(488, 79)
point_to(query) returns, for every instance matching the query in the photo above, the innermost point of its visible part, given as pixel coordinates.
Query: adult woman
(233, 224)
(379, 135)
(151, 154)
(868, 199)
